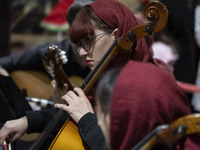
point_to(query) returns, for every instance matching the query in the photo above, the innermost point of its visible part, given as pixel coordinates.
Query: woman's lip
(89, 62)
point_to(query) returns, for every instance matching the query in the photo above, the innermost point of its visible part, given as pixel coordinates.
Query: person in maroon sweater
(136, 99)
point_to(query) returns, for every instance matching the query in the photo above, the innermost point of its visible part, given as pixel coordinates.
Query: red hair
(85, 23)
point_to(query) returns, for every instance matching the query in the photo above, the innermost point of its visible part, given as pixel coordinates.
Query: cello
(157, 14)
(168, 135)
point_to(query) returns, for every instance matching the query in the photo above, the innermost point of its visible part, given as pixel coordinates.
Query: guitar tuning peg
(62, 52)
(64, 60)
(54, 46)
(63, 56)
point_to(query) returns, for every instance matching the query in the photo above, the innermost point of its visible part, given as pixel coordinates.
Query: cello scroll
(157, 15)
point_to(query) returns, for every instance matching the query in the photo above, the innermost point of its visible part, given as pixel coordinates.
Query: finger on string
(67, 99)
(61, 106)
(80, 92)
(72, 95)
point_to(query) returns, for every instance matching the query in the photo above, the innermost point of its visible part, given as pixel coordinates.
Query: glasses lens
(86, 44)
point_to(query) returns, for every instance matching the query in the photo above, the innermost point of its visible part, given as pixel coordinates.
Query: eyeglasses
(86, 43)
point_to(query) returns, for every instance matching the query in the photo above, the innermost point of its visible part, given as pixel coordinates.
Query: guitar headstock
(53, 59)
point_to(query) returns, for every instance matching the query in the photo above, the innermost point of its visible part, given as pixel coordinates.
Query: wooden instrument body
(36, 84)
(169, 135)
(70, 138)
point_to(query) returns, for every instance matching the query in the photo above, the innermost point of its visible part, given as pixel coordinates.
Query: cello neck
(101, 66)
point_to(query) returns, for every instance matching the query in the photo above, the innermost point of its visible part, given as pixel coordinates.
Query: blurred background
(21, 24)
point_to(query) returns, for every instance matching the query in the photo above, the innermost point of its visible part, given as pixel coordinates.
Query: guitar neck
(62, 78)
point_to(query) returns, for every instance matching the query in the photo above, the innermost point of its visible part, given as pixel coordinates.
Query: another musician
(12, 101)
(137, 99)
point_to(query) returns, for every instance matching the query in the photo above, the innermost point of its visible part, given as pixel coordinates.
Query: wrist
(25, 120)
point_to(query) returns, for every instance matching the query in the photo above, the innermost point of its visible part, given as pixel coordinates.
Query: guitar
(53, 60)
(169, 135)
(40, 88)
(39, 81)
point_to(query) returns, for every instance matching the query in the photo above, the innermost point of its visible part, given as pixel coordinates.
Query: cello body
(68, 138)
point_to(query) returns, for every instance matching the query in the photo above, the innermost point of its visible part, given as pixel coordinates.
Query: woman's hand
(58, 92)
(13, 130)
(77, 104)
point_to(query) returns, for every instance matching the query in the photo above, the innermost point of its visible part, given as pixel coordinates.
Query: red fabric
(117, 15)
(58, 14)
(144, 2)
(144, 97)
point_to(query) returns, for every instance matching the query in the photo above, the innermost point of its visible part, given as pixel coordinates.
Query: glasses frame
(88, 43)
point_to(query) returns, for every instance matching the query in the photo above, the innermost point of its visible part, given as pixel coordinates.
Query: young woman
(94, 30)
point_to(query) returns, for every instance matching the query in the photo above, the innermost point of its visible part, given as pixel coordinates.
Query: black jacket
(31, 59)
(12, 102)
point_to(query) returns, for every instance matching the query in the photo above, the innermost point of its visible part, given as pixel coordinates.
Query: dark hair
(86, 21)
(72, 11)
(75, 8)
(105, 89)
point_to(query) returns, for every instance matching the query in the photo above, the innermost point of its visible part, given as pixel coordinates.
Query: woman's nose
(83, 52)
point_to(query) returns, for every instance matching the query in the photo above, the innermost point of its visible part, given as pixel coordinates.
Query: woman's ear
(114, 33)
